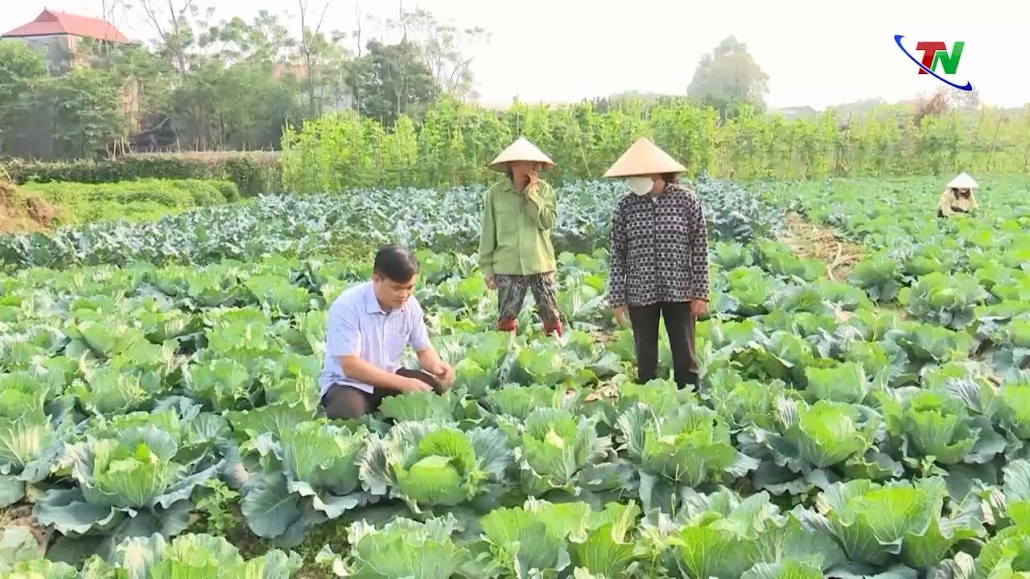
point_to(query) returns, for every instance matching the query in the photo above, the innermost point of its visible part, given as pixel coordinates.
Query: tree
(113, 12)
(313, 44)
(728, 78)
(21, 69)
(962, 99)
(209, 83)
(238, 85)
(356, 67)
(87, 111)
(175, 36)
(392, 80)
(942, 100)
(446, 50)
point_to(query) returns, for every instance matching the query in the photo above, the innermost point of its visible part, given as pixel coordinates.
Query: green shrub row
(141, 199)
(454, 143)
(252, 173)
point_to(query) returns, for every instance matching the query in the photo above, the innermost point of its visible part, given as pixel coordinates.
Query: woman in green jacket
(515, 251)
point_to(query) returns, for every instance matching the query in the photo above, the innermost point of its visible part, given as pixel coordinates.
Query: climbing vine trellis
(455, 141)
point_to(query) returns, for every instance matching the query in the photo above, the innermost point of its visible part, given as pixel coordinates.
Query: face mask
(640, 185)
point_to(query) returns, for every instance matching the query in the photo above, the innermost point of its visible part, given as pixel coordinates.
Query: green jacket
(516, 236)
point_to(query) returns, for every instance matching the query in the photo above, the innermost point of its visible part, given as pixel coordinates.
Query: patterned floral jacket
(659, 249)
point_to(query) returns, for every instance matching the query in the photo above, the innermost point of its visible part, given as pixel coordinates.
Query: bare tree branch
(308, 37)
(448, 51)
(112, 12)
(172, 40)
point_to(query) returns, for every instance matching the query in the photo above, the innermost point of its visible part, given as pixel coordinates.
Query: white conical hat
(521, 150)
(644, 158)
(963, 181)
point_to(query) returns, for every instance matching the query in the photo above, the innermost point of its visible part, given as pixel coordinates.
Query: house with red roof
(60, 33)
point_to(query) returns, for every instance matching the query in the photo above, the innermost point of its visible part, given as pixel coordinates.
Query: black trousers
(679, 324)
(346, 402)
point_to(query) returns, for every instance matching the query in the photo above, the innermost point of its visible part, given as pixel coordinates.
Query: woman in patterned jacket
(515, 251)
(659, 259)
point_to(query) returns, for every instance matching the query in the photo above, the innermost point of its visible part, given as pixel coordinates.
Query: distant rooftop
(52, 23)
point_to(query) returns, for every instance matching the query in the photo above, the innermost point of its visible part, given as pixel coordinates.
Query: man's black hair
(396, 263)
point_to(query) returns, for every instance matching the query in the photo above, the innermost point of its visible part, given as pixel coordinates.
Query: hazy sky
(816, 52)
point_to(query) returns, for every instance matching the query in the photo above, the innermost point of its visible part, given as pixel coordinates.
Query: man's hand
(491, 281)
(698, 308)
(621, 315)
(444, 374)
(413, 385)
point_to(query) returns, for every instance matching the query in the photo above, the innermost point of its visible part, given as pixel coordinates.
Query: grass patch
(139, 200)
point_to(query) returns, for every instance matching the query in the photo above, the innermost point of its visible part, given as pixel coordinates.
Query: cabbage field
(158, 400)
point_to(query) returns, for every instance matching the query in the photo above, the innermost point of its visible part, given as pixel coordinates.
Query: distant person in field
(515, 251)
(958, 197)
(369, 325)
(659, 260)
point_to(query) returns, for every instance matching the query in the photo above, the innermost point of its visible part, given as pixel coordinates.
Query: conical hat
(521, 150)
(963, 181)
(644, 158)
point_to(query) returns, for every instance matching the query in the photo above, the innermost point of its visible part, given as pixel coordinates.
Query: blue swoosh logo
(968, 86)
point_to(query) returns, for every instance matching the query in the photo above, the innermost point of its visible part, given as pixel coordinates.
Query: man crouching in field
(369, 326)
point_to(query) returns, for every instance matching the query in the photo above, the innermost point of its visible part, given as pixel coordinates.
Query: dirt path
(23, 214)
(814, 241)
